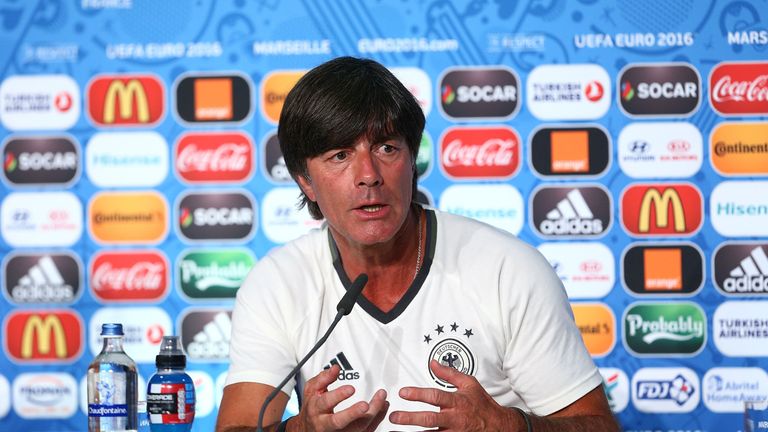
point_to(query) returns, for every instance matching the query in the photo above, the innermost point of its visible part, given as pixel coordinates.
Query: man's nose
(366, 170)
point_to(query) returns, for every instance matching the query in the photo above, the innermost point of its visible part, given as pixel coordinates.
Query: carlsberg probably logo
(213, 273)
(665, 329)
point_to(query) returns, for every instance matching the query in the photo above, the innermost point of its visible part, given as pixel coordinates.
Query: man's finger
(451, 375)
(439, 398)
(379, 417)
(429, 419)
(320, 382)
(377, 402)
(327, 401)
(345, 417)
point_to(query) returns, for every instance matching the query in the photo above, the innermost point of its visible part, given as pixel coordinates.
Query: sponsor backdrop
(142, 177)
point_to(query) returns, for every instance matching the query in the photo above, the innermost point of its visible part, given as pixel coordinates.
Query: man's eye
(339, 156)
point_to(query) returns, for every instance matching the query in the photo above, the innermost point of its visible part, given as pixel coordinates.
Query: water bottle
(170, 391)
(112, 385)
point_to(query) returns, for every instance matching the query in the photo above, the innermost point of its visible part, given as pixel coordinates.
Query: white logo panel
(418, 83)
(499, 205)
(665, 390)
(587, 269)
(44, 395)
(740, 208)
(725, 389)
(568, 92)
(740, 328)
(41, 219)
(281, 220)
(5, 397)
(144, 328)
(126, 159)
(660, 149)
(616, 385)
(204, 392)
(39, 102)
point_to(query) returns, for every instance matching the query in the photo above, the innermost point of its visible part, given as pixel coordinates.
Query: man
(461, 327)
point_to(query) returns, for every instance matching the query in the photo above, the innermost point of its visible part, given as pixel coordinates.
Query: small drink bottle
(112, 385)
(170, 391)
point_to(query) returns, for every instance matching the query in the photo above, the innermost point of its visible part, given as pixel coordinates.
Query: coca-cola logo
(129, 276)
(477, 152)
(214, 157)
(739, 88)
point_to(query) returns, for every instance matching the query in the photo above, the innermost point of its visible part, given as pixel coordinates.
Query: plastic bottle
(170, 391)
(112, 385)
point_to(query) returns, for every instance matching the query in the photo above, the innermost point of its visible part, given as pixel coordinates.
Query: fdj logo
(678, 390)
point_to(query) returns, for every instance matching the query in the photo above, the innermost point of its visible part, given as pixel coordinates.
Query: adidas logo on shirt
(347, 372)
(571, 216)
(751, 275)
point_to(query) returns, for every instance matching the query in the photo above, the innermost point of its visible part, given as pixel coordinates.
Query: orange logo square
(570, 151)
(663, 269)
(213, 99)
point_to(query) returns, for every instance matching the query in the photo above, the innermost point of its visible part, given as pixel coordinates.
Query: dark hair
(337, 103)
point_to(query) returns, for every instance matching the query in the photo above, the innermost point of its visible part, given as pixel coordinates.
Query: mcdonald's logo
(126, 100)
(672, 210)
(43, 336)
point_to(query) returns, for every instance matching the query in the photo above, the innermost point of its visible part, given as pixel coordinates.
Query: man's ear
(305, 184)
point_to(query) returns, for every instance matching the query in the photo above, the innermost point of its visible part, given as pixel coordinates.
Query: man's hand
(317, 407)
(469, 408)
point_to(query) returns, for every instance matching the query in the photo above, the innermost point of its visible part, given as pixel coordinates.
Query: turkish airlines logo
(479, 93)
(567, 151)
(741, 268)
(672, 89)
(49, 336)
(663, 269)
(213, 98)
(568, 92)
(216, 216)
(42, 278)
(144, 328)
(564, 212)
(274, 89)
(739, 88)
(126, 100)
(129, 276)
(740, 149)
(35, 102)
(214, 157)
(41, 160)
(674, 210)
(481, 152)
(128, 217)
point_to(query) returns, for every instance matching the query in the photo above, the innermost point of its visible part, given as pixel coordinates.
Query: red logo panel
(126, 100)
(739, 88)
(671, 210)
(214, 157)
(44, 336)
(129, 276)
(480, 152)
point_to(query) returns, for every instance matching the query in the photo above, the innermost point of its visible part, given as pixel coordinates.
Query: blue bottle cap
(112, 329)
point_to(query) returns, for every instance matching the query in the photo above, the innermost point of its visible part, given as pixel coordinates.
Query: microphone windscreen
(348, 301)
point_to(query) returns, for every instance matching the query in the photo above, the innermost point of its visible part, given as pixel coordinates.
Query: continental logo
(671, 210)
(741, 269)
(663, 269)
(50, 336)
(740, 149)
(128, 218)
(665, 329)
(670, 89)
(126, 100)
(597, 326)
(213, 98)
(213, 273)
(216, 216)
(41, 160)
(479, 93)
(274, 88)
(570, 151)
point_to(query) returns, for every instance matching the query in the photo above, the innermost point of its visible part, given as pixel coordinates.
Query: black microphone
(342, 309)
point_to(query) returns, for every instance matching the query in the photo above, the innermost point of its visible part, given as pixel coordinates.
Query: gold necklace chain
(418, 250)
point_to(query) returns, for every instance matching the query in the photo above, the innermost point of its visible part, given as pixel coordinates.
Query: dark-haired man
(461, 326)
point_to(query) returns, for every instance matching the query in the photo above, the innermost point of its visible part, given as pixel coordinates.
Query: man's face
(363, 191)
